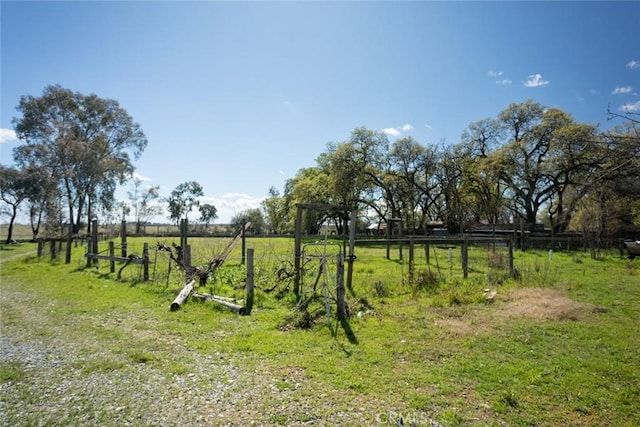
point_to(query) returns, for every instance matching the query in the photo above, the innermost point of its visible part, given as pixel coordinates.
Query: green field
(557, 346)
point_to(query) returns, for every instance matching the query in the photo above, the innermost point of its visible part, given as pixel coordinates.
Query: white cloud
(231, 204)
(633, 64)
(504, 82)
(7, 135)
(136, 175)
(391, 131)
(535, 80)
(397, 131)
(428, 126)
(630, 107)
(618, 90)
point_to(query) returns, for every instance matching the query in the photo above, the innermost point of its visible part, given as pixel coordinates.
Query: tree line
(530, 163)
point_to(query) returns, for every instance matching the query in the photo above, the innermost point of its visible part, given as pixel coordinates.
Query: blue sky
(240, 95)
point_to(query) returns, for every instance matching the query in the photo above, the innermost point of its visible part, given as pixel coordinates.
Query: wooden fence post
(67, 256)
(89, 251)
(352, 244)
(93, 244)
(186, 254)
(341, 309)
(112, 253)
(388, 238)
(145, 262)
(182, 296)
(248, 303)
(510, 244)
(297, 257)
(465, 256)
(400, 235)
(184, 230)
(411, 260)
(244, 243)
(426, 252)
(123, 238)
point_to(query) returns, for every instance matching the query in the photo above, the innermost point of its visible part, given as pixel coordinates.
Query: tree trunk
(35, 223)
(89, 216)
(72, 221)
(81, 201)
(14, 213)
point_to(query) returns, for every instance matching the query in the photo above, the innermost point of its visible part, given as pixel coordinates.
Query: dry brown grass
(543, 304)
(470, 324)
(530, 303)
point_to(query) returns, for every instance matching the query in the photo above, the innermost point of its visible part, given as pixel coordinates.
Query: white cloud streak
(619, 90)
(397, 131)
(630, 107)
(7, 135)
(535, 80)
(495, 74)
(136, 175)
(632, 65)
(231, 204)
(391, 131)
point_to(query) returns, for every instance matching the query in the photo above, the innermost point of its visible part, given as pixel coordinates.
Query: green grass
(564, 354)
(11, 371)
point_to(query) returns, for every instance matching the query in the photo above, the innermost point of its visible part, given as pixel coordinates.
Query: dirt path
(5, 258)
(77, 368)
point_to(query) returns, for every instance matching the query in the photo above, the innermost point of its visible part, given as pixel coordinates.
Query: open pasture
(557, 346)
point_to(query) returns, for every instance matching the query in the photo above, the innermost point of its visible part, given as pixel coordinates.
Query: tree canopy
(208, 213)
(183, 199)
(529, 163)
(143, 202)
(86, 143)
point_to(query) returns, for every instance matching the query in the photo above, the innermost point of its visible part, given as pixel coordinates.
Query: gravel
(91, 379)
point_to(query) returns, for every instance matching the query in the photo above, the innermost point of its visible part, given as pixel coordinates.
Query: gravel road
(56, 376)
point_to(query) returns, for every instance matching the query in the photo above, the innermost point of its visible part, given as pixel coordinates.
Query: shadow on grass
(351, 336)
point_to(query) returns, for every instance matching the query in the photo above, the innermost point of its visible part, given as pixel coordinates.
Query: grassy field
(558, 346)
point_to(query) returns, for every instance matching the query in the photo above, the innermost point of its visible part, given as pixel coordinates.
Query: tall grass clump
(537, 273)
(457, 292)
(428, 280)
